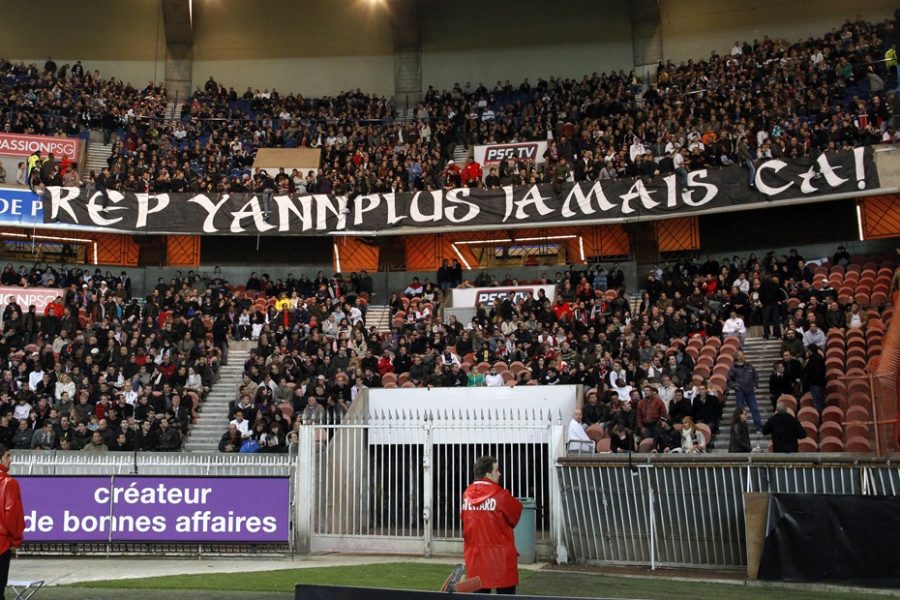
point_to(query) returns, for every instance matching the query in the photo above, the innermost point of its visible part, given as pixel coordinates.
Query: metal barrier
(43, 462)
(394, 484)
(689, 511)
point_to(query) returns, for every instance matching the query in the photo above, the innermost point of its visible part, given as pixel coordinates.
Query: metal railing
(663, 511)
(395, 485)
(58, 462)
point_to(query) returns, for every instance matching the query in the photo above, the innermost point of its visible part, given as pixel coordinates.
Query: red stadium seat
(808, 414)
(856, 430)
(646, 445)
(859, 444)
(705, 430)
(857, 414)
(831, 444)
(812, 432)
(788, 401)
(597, 432)
(832, 413)
(808, 444)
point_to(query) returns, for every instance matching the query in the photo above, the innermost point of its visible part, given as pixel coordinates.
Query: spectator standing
(779, 383)
(740, 433)
(743, 379)
(772, 296)
(814, 376)
(785, 430)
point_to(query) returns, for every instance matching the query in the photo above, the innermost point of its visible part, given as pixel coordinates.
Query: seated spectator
(814, 336)
(734, 326)
(668, 439)
(621, 440)
(578, 440)
(692, 440)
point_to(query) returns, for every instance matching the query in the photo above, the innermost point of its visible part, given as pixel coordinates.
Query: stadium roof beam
(646, 37)
(178, 19)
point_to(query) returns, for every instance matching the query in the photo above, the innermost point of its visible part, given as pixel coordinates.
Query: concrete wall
(693, 29)
(319, 47)
(472, 40)
(125, 40)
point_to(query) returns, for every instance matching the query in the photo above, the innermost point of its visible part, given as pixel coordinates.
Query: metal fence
(44, 462)
(689, 511)
(394, 484)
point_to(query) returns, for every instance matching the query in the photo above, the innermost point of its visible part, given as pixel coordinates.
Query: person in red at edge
(12, 518)
(489, 514)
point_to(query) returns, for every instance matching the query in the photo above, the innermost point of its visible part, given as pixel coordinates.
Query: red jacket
(12, 518)
(489, 514)
(651, 410)
(471, 171)
(54, 309)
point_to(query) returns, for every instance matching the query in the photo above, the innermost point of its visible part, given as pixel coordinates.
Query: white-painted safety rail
(394, 484)
(680, 511)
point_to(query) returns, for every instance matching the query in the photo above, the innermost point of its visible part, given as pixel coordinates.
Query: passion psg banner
(611, 201)
(16, 144)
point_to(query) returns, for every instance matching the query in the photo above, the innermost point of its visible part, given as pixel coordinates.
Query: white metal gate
(394, 484)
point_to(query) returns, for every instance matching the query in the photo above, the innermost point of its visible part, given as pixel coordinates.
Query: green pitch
(279, 584)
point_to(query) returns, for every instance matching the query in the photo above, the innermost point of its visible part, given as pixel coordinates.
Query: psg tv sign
(589, 202)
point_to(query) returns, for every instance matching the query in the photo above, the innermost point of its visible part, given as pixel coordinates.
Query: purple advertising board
(156, 509)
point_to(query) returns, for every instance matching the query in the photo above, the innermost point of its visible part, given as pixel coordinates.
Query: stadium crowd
(768, 98)
(638, 375)
(98, 361)
(97, 371)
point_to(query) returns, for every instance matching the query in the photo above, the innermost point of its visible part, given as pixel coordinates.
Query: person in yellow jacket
(284, 306)
(34, 162)
(890, 62)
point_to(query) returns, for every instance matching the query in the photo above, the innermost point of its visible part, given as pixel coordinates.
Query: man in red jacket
(472, 173)
(12, 517)
(489, 514)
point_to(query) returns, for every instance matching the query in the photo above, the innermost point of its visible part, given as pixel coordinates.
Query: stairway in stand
(460, 155)
(379, 317)
(761, 354)
(96, 160)
(204, 435)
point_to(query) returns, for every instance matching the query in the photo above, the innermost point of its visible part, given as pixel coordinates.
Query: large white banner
(25, 297)
(472, 297)
(468, 415)
(17, 144)
(494, 154)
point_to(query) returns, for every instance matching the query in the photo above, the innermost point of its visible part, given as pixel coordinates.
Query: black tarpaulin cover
(814, 537)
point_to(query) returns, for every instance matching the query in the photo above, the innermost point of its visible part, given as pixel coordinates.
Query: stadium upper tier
(767, 98)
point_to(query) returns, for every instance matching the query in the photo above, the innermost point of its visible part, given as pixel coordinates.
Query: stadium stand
(768, 99)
